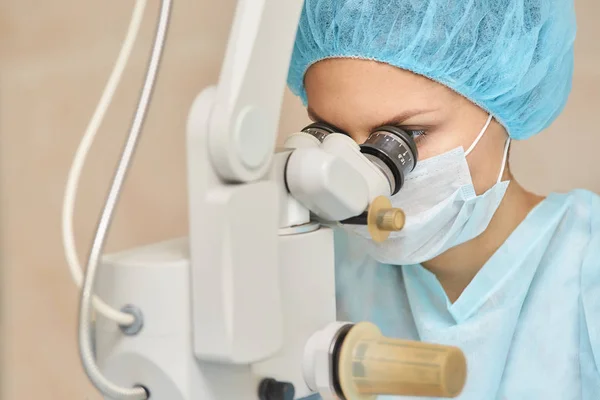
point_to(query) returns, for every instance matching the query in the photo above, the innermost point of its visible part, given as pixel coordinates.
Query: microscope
(245, 307)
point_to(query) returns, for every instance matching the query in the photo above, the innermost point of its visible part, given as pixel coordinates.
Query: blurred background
(55, 59)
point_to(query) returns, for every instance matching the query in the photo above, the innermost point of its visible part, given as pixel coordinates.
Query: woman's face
(358, 96)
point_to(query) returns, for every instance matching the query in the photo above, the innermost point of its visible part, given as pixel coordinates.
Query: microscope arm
(233, 207)
(246, 108)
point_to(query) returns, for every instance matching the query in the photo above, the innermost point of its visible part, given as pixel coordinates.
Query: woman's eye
(417, 133)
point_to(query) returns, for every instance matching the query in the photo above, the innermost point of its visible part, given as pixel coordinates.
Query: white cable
(78, 162)
(86, 353)
(504, 157)
(478, 138)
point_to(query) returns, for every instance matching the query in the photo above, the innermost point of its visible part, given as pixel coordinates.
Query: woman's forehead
(351, 92)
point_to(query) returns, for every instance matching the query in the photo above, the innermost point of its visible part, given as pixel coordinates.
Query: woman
(511, 278)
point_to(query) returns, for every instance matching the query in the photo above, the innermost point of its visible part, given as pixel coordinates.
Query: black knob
(271, 389)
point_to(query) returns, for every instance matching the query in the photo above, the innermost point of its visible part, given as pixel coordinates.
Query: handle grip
(370, 364)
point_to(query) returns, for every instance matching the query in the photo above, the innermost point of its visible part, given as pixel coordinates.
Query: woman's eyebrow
(316, 118)
(398, 119)
(403, 116)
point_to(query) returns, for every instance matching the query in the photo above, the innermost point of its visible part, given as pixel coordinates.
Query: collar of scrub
(521, 252)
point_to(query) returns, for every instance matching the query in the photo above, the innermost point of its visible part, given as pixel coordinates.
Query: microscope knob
(271, 389)
(382, 219)
(391, 219)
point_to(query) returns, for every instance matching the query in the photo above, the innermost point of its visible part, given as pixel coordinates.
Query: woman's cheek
(439, 142)
(430, 146)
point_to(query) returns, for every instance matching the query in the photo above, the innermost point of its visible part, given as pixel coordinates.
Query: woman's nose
(359, 137)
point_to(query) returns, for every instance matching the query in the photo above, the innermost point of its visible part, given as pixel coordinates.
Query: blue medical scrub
(528, 323)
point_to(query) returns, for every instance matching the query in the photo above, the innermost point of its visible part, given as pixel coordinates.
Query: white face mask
(441, 207)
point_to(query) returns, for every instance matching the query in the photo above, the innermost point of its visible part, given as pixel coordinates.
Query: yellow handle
(371, 364)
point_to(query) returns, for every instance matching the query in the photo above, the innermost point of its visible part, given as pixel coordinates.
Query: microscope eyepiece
(394, 151)
(391, 149)
(320, 130)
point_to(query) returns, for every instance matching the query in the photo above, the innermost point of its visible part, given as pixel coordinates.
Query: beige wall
(55, 57)
(565, 156)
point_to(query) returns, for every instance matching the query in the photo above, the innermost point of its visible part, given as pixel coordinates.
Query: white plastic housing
(301, 140)
(346, 148)
(156, 279)
(233, 247)
(318, 362)
(326, 184)
(308, 293)
(291, 211)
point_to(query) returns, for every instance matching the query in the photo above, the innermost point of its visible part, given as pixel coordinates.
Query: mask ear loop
(478, 138)
(506, 146)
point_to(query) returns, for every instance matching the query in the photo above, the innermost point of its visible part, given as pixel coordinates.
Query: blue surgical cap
(513, 58)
